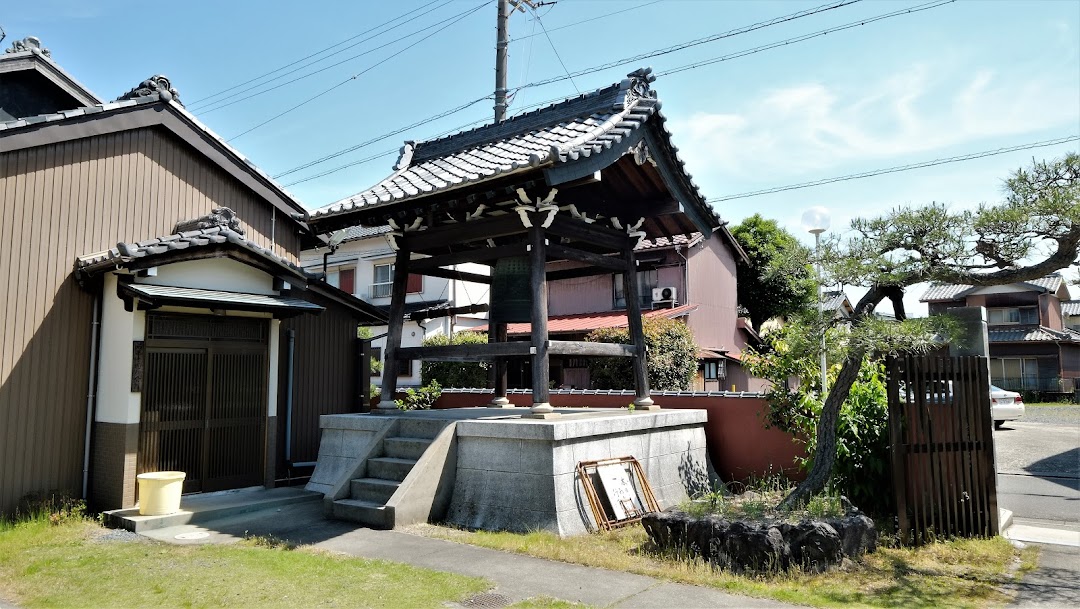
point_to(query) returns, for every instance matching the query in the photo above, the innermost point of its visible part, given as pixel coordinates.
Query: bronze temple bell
(511, 298)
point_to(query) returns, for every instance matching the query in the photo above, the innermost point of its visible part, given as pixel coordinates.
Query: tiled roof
(660, 242)
(833, 301)
(951, 291)
(560, 133)
(236, 300)
(1032, 334)
(587, 322)
(356, 233)
(1070, 307)
(164, 97)
(217, 235)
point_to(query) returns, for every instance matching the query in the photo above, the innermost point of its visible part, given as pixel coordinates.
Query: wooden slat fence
(942, 447)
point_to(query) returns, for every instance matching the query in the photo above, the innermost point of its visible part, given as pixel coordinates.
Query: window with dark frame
(1012, 315)
(383, 282)
(647, 280)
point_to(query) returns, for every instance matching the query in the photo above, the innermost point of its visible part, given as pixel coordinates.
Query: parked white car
(1005, 405)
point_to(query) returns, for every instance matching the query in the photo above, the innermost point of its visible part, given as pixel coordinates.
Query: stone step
(405, 448)
(389, 468)
(375, 490)
(420, 428)
(364, 512)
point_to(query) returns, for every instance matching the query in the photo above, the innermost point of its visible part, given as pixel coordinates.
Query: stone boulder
(762, 546)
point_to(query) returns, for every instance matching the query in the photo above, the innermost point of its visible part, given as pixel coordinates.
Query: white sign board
(620, 491)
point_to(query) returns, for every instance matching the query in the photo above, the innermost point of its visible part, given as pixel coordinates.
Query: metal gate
(204, 400)
(940, 429)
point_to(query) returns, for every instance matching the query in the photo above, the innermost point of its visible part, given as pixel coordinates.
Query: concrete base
(202, 507)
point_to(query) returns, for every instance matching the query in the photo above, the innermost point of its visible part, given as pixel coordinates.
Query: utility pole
(502, 41)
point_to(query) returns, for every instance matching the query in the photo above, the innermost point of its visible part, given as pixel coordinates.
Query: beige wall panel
(61, 201)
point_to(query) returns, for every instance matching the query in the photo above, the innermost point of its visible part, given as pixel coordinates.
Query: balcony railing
(1029, 383)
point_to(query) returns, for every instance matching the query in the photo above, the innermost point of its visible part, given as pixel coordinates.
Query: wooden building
(564, 191)
(153, 297)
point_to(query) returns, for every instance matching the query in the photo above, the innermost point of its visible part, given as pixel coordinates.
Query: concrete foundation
(519, 474)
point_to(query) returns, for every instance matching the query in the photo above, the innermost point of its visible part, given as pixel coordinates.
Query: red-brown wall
(739, 444)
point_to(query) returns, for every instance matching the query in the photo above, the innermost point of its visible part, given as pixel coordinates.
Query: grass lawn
(77, 563)
(959, 573)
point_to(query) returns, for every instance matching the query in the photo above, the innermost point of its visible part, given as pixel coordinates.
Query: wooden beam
(587, 271)
(466, 353)
(587, 349)
(456, 275)
(572, 253)
(464, 232)
(482, 254)
(447, 312)
(579, 230)
(637, 331)
(393, 330)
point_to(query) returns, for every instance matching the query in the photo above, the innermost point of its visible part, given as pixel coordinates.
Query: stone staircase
(383, 473)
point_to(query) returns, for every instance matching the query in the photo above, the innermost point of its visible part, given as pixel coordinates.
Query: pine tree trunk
(825, 453)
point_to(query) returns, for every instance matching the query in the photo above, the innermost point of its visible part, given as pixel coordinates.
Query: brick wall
(113, 460)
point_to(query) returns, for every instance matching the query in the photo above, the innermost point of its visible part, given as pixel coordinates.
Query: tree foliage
(778, 280)
(455, 374)
(1035, 230)
(671, 361)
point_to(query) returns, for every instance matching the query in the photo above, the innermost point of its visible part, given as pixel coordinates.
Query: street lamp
(816, 221)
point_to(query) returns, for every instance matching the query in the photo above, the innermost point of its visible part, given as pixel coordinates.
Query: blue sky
(960, 78)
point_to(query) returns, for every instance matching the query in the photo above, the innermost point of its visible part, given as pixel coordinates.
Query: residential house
(156, 317)
(363, 265)
(686, 277)
(1034, 344)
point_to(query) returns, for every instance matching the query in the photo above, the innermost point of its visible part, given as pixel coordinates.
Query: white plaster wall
(116, 403)
(273, 349)
(213, 274)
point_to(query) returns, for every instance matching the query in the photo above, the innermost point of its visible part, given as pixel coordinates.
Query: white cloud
(809, 127)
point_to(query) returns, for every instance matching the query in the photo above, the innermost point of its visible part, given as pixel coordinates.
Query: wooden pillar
(497, 334)
(539, 317)
(637, 331)
(393, 330)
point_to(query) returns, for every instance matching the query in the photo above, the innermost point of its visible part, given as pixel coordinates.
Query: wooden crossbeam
(480, 255)
(448, 311)
(578, 230)
(563, 252)
(587, 349)
(465, 232)
(466, 353)
(456, 275)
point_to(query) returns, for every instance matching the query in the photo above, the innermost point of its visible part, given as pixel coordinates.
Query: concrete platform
(203, 507)
(511, 472)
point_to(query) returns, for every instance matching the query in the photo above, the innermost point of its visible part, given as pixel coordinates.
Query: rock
(762, 546)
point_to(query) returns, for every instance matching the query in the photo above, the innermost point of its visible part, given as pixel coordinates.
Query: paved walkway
(515, 576)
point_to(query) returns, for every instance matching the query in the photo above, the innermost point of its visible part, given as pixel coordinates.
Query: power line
(727, 34)
(319, 52)
(877, 172)
(915, 9)
(224, 102)
(596, 18)
(355, 76)
(536, 15)
(692, 43)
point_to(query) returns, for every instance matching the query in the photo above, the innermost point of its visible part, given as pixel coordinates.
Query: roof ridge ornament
(30, 44)
(158, 83)
(637, 86)
(222, 217)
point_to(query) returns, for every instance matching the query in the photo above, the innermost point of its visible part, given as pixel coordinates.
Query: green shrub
(455, 374)
(420, 399)
(671, 361)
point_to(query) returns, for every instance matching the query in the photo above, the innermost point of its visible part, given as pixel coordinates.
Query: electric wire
(897, 169)
(596, 18)
(536, 16)
(727, 34)
(306, 57)
(241, 97)
(355, 76)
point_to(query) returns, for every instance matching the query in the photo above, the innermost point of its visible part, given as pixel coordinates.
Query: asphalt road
(1038, 463)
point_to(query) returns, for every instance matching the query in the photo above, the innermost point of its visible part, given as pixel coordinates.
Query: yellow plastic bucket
(159, 492)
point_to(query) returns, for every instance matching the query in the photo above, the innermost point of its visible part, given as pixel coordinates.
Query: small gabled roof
(28, 54)
(944, 292)
(566, 142)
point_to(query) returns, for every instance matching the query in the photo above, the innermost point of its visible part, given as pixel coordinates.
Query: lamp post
(816, 221)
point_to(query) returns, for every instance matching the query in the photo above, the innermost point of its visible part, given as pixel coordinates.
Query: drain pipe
(91, 392)
(686, 275)
(290, 336)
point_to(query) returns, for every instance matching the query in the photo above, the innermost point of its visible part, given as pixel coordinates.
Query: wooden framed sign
(627, 491)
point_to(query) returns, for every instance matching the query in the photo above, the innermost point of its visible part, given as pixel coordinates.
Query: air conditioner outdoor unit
(668, 294)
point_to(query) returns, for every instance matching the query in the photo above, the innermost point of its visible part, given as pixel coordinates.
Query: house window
(347, 280)
(383, 282)
(1014, 373)
(714, 370)
(1013, 315)
(646, 282)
